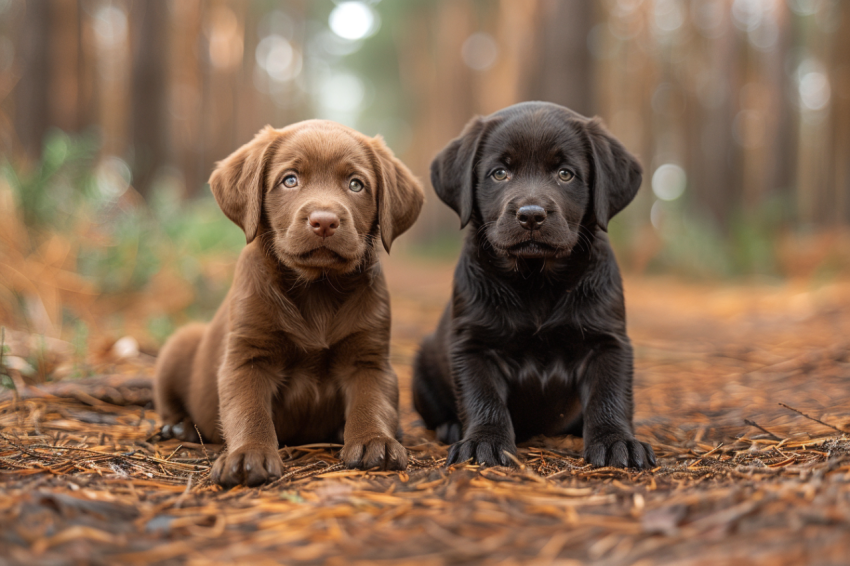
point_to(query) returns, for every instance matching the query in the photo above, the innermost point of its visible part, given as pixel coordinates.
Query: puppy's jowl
(299, 350)
(534, 338)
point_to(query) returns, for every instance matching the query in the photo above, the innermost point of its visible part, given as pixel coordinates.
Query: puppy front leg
(488, 432)
(371, 421)
(607, 405)
(246, 389)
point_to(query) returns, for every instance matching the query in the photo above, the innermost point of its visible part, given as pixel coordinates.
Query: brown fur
(298, 352)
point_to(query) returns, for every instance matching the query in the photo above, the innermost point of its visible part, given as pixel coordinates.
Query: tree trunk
(32, 93)
(563, 69)
(841, 125)
(150, 139)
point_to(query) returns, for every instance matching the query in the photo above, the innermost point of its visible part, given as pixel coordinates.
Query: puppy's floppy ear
(399, 194)
(453, 170)
(238, 182)
(617, 174)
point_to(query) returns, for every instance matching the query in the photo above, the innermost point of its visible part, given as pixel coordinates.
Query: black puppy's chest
(542, 358)
(532, 326)
(543, 377)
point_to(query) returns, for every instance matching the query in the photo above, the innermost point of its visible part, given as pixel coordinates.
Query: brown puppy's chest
(319, 318)
(311, 364)
(309, 404)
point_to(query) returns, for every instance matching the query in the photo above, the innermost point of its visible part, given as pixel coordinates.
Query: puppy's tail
(174, 373)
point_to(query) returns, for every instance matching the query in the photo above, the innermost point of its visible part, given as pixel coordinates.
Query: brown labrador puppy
(299, 350)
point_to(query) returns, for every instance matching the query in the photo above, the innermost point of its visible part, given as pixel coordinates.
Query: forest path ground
(741, 478)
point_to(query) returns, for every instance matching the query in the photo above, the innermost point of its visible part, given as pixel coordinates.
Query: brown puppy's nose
(531, 216)
(323, 222)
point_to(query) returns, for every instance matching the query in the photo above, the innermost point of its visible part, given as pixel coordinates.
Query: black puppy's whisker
(585, 239)
(482, 239)
(484, 227)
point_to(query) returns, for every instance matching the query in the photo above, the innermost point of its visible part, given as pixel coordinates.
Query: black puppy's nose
(531, 216)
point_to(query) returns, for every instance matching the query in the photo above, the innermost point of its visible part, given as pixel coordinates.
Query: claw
(619, 451)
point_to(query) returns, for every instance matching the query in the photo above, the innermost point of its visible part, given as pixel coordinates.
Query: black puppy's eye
(500, 174)
(356, 185)
(290, 181)
(566, 175)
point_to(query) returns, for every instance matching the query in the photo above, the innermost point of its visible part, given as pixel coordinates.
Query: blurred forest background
(113, 112)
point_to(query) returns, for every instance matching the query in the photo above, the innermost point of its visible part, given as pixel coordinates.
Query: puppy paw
(620, 451)
(448, 432)
(183, 430)
(248, 465)
(487, 449)
(380, 452)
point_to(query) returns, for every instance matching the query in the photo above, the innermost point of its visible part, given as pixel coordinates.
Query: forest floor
(742, 390)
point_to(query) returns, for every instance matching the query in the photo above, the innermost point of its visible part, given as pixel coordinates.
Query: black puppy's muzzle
(531, 217)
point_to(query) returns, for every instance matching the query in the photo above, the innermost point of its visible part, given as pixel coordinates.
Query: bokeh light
(225, 38)
(342, 92)
(327, 45)
(758, 19)
(110, 26)
(804, 7)
(479, 51)
(354, 20)
(112, 177)
(708, 16)
(276, 56)
(669, 182)
(669, 15)
(815, 91)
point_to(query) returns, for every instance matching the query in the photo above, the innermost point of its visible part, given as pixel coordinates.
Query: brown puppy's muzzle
(323, 223)
(321, 237)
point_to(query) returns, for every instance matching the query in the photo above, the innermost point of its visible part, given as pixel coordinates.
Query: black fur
(534, 340)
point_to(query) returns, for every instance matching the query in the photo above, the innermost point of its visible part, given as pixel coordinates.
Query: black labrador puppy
(534, 339)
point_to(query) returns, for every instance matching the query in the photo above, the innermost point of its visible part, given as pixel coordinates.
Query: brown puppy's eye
(500, 174)
(566, 175)
(290, 181)
(356, 185)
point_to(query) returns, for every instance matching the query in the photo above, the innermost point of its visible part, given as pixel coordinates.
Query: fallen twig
(833, 427)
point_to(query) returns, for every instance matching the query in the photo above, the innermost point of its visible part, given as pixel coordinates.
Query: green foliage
(197, 226)
(129, 259)
(444, 246)
(80, 340)
(694, 244)
(118, 241)
(55, 188)
(161, 327)
(753, 235)
(5, 379)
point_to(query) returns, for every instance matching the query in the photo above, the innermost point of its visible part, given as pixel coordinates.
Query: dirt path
(86, 482)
